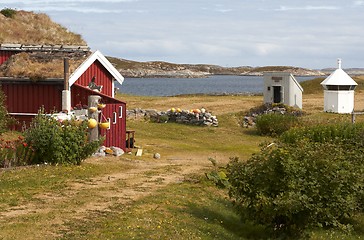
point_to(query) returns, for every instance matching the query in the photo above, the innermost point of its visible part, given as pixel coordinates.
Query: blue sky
(311, 34)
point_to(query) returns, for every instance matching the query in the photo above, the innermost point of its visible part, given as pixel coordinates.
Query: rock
(102, 149)
(156, 156)
(117, 151)
(99, 154)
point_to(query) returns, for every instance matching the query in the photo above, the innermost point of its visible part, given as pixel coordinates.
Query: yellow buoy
(92, 109)
(101, 106)
(92, 123)
(104, 125)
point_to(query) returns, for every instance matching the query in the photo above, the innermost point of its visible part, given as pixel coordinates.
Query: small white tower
(339, 91)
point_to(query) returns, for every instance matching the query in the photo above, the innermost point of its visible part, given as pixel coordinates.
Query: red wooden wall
(103, 77)
(116, 135)
(4, 55)
(115, 110)
(28, 97)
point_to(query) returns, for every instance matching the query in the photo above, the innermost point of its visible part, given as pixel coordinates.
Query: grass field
(131, 197)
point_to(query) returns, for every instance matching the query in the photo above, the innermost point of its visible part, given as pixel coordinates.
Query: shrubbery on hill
(8, 12)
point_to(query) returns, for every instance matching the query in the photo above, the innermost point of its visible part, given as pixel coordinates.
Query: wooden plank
(139, 152)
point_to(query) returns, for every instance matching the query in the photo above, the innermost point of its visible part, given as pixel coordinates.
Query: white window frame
(114, 119)
(109, 120)
(120, 111)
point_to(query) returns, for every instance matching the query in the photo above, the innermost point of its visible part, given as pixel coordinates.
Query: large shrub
(275, 124)
(350, 133)
(308, 181)
(56, 143)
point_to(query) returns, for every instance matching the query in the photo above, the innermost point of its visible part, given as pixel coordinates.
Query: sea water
(217, 84)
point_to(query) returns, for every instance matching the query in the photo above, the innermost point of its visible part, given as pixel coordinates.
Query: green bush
(321, 133)
(8, 12)
(58, 144)
(289, 189)
(4, 118)
(275, 124)
(76, 146)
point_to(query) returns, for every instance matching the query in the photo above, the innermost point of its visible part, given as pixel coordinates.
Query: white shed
(282, 87)
(339, 91)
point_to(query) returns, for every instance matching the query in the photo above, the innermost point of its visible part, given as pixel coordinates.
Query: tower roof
(339, 77)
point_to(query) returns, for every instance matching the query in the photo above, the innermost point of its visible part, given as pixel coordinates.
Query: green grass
(190, 209)
(20, 186)
(179, 211)
(314, 86)
(229, 139)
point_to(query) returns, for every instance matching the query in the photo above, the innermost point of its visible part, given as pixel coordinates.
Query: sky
(311, 34)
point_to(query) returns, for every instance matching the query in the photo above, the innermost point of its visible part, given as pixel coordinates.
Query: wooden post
(66, 73)
(352, 117)
(66, 94)
(93, 100)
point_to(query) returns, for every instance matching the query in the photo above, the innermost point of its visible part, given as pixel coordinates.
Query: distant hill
(350, 71)
(29, 28)
(164, 69)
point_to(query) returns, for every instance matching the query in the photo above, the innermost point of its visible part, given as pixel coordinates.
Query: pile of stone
(268, 108)
(199, 117)
(111, 151)
(138, 113)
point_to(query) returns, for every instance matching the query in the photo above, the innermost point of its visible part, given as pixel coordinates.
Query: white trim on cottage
(97, 55)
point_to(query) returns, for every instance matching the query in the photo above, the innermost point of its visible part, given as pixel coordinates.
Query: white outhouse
(282, 87)
(339, 91)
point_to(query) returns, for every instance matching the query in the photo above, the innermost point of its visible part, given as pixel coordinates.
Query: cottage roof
(339, 77)
(97, 55)
(40, 65)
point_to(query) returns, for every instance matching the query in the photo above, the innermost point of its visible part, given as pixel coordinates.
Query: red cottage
(34, 76)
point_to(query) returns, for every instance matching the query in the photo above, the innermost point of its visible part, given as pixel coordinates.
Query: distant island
(132, 69)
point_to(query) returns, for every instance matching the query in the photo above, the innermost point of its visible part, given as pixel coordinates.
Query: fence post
(93, 100)
(353, 117)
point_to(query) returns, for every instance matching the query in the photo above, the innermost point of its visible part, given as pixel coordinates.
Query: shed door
(277, 94)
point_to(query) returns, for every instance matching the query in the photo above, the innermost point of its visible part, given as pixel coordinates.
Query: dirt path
(101, 193)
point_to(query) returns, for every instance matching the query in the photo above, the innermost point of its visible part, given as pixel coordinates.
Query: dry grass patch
(33, 29)
(216, 104)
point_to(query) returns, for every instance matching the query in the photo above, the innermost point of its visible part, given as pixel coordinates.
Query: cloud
(223, 10)
(306, 8)
(218, 8)
(32, 2)
(264, 49)
(81, 6)
(85, 10)
(359, 3)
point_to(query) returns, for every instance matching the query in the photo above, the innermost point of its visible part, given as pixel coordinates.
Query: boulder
(117, 151)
